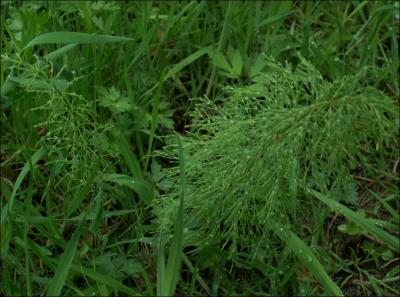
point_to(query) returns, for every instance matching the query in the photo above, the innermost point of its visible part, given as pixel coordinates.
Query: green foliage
(231, 67)
(92, 90)
(248, 160)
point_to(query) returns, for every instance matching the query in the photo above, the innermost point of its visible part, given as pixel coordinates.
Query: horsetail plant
(250, 157)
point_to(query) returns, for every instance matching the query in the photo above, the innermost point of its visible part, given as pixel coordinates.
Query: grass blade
(166, 284)
(362, 222)
(64, 266)
(221, 44)
(178, 67)
(74, 37)
(59, 52)
(130, 158)
(153, 124)
(275, 18)
(309, 260)
(35, 158)
(160, 267)
(140, 187)
(104, 279)
(185, 62)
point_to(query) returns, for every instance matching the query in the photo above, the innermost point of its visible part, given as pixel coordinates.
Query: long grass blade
(362, 222)
(160, 267)
(74, 37)
(179, 66)
(130, 158)
(154, 118)
(59, 52)
(104, 279)
(185, 62)
(170, 279)
(35, 158)
(64, 266)
(309, 260)
(142, 188)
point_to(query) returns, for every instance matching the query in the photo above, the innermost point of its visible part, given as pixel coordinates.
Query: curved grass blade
(362, 222)
(309, 260)
(64, 266)
(104, 279)
(185, 62)
(59, 52)
(140, 187)
(179, 66)
(130, 158)
(74, 37)
(35, 158)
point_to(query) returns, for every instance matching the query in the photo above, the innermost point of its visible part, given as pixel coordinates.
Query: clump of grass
(249, 158)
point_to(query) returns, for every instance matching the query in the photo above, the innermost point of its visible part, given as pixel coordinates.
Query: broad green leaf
(237, 63)
(257, 66)
(219, 60)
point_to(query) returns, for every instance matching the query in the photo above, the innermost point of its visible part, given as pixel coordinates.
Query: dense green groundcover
(199, 148)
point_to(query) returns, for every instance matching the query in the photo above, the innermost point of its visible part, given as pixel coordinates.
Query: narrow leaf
(185, 62)
(175, 254)
(142, 188)
(74, 37)
(362, 222)
(59, 52)
(309, 260)
(61, 274)
(35, 158)
(104, 279)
